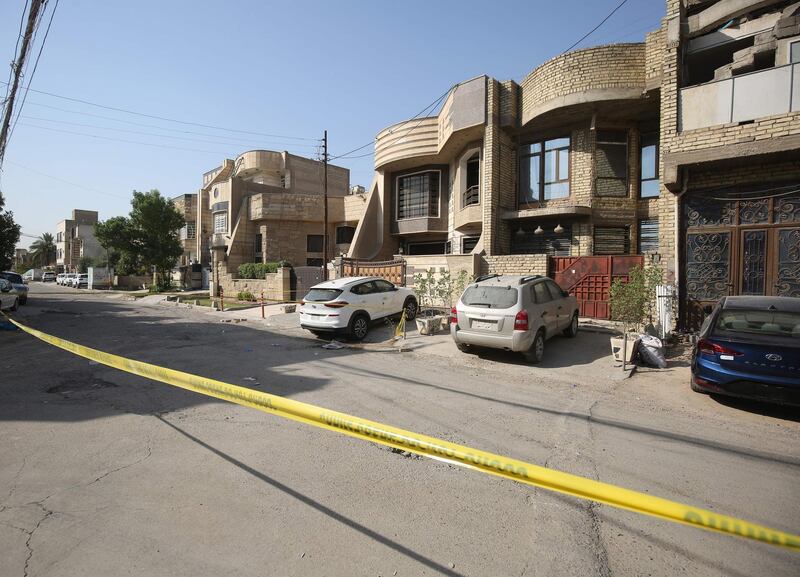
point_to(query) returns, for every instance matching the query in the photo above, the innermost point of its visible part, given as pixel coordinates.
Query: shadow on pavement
(786, 412)
(382, 539)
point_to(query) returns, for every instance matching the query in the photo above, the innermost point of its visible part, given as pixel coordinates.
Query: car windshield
(11, 277)
(321, 295)
(492, 297)
(761, 324)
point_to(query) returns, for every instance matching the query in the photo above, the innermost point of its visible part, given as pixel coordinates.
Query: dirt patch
(78, 385)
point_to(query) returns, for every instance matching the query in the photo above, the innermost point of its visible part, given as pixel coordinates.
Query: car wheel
(23, 301)
(359, 326)
(535, 354)
(572, 330)
(410, 308)
(694, 387)
(464, 348)
(14, 306)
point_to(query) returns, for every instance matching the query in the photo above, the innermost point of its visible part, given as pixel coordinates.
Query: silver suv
(515, 313)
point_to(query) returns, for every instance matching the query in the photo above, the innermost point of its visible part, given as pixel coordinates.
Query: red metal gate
(589, 278)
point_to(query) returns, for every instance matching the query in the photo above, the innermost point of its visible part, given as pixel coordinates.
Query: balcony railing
(741, 98)
(471, 196)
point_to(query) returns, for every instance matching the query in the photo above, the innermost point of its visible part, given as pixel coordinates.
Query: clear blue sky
(284, 68)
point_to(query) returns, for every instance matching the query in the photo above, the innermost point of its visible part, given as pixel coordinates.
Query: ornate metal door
(787, 277)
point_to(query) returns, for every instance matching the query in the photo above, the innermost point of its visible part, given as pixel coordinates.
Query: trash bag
(651, 351)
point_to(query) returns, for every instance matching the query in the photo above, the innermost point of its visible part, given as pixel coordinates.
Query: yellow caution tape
(490, 463)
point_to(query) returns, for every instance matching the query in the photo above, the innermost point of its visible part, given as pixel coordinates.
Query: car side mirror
(564, 293)
(394, 288)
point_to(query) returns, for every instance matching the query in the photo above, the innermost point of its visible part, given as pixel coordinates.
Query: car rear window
(322, 295)
(759, 323)
(11, 277)
(492, 297)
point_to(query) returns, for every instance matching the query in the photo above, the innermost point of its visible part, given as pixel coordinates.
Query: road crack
(599, 546)
(47, 513)
(123, 467)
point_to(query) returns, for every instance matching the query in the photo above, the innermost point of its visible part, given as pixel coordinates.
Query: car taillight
(453, 316)
(521, 321)
(711, 348)
(337, 304)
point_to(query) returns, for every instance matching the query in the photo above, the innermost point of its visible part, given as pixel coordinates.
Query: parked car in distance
(69, 279)
(515, 313)
(348, 305)
(749, 346)
(81, 281)
(18, 285)
(60, 278)
(48, 276)
(8, 299)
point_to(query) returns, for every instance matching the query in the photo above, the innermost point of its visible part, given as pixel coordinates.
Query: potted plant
(428, 319)
(632, 303)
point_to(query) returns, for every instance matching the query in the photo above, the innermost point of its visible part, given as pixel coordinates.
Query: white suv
(515, 313)
(350, 304)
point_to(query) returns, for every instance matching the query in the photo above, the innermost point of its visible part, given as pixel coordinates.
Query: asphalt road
(105, 473)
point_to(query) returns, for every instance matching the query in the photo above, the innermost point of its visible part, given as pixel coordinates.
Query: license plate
(485, 325)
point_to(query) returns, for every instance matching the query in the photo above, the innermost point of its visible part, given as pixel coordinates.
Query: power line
(16, 52)
(97, 127)
(165, 119)
(603, 21)
(123, 140)
(431, 107)
(89, 189)
(221, 138)
(35, 66)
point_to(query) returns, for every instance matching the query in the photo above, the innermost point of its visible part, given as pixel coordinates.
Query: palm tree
(43, 249)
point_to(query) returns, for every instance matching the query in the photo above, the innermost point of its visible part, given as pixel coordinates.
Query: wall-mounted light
(520, 232)
(539, 230)
(655, 258)
(558, 229)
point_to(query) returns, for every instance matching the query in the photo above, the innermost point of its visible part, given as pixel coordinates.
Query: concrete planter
(617, 344)
(429, 325)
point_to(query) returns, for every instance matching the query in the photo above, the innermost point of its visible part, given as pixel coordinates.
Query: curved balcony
(407, 139)
(602, 73)
(252, 162)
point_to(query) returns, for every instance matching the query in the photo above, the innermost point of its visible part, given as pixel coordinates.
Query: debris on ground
(334, 345)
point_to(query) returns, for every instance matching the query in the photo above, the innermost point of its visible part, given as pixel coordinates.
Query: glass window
(648, 160)
(611, 240)
(258, 244)
(344, 234)
(491, 297)
(191, 230)
(472, 190)
(468, 243)
(541, 293)
(220, 222)
(383, 286)
(364, 288)
(418, 195)
(648, 235)
(762, 326)
(314, 262)
(544, 176)
(611, 163)
(321, 295)
(549, 242)
(314, 243)
(795, 52)
(555, 290)
(418, 248)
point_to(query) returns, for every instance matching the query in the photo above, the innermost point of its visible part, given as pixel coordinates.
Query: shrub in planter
(259, 270)
(245, 296)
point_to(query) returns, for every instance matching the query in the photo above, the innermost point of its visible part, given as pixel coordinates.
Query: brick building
(187, 206)
(268, 206)
(611, 150)
(75, 240)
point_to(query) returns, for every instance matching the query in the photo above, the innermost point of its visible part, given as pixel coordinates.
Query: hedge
(258, 270)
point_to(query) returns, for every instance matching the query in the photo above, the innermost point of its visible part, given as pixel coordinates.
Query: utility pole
(33, 14)
(325, 192)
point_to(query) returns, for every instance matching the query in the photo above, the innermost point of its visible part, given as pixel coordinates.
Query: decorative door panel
(787, 277)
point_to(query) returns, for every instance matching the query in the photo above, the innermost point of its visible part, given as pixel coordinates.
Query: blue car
(749, 346)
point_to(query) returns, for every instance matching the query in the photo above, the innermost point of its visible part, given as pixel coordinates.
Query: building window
(794, 52)
(468, 243)
(648, 235)
(314, 243)
(472, 192)
(416, 248)
(448, 247)
(418, 195)
(191, 230)
(259, 243)
(344, 234)
(611, 163)
(220, 222)
(611, 240)
(648, 161)
(544, 171)
(551, 243)
(314, 262)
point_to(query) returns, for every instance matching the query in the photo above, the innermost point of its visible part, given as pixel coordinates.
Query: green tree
(43, 250)
(148, 237)
(9, 236)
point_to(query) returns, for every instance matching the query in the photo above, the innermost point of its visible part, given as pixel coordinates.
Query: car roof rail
(529, 278)
(486, 277)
